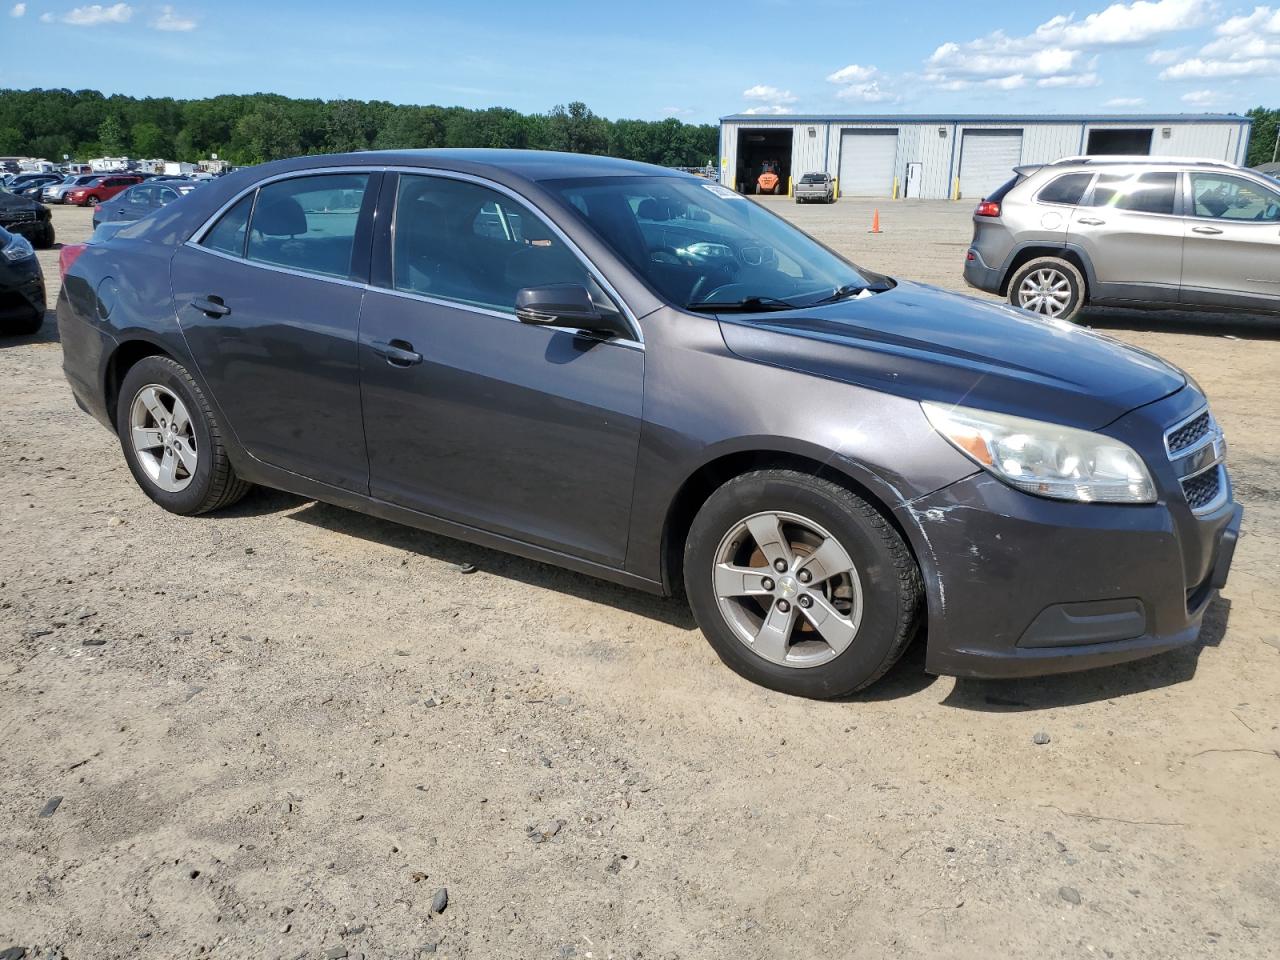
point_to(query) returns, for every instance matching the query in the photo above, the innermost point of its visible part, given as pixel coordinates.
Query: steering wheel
(664, 254)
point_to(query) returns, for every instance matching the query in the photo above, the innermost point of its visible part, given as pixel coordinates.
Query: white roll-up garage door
(866, 162)
(987, 159)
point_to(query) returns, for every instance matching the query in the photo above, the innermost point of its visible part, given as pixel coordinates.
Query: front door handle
(1091, 221)
(398, 353)
(1209, 230)
(211, 306)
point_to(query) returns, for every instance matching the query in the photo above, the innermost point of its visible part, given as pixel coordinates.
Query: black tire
(23, 326)
(892, 590)
(214, 483)
(1077, 291)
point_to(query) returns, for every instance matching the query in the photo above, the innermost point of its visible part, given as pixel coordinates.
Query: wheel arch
(1032, 251)
(125, 356)
(722, 468)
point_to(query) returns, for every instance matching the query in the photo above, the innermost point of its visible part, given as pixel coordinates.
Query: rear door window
(308, 223)
(1140, 193)
(1068, 189)
(228, 234)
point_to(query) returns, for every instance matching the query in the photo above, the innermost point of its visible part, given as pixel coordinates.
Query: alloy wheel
(788, 589)
(1045, 291)
(162, 436)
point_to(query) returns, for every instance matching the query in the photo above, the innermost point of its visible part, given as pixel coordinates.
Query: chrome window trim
(245, 261)
(196, 239)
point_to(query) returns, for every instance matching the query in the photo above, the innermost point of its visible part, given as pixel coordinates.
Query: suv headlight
(18, 248)
(1046, 459)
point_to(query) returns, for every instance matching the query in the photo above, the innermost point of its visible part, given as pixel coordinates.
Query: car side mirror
(567, 305)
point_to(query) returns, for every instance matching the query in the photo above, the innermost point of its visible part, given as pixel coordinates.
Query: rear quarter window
(1068, 189)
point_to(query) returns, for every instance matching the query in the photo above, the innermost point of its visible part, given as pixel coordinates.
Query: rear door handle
(398, 353)
(1091, 221)
(211, 306)
(1208, 230)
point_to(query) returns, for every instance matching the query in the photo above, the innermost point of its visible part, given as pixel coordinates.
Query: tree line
(1262, 139)
(258, 127)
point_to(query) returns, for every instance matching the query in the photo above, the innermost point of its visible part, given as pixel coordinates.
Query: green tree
(268, 133)
(576, 129)
(149, 141)
(1262, 140)
(112, 136)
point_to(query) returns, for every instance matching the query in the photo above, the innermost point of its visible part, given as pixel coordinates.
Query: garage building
(955, 156)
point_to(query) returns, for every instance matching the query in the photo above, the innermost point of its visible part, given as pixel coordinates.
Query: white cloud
(1014, 82)
(1125, 102)
(170, 19)
(1202, 98)
(1262, 20)
(870, 92)
(772, 108)
(765, 92)
(1241, 48)
(96, 13)
(1198, 68)
(47, 18)
(1078, 80)
(19, 10)
(1054, 54)
(1162, 58)
(853, 73)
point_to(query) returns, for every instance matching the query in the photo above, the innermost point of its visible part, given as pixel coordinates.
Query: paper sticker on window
(723, 193)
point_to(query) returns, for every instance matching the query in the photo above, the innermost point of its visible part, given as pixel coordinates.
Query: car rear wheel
(1049, 286)
(799, 584)
(91, 201)
(172, 441)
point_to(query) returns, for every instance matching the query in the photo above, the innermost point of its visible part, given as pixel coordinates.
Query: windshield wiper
(745, 305)
(850, 290)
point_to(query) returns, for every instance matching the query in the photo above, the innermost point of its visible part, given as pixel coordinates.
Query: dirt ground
(279, 731)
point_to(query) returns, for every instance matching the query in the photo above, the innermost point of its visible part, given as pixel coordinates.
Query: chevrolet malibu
(645, 377)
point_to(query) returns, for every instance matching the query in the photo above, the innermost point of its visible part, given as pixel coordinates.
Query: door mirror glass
(566, 305)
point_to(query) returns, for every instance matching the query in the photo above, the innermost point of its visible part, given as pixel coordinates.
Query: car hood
(928, 344)
(11, 201)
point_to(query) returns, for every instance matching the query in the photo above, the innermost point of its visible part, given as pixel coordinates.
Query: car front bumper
(21, 289)
(1022, 586)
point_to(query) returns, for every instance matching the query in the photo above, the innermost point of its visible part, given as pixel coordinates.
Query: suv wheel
(799, 584)
(171, 440)
(1049, 286)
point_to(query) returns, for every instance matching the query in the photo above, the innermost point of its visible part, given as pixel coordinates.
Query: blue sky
(654, 59)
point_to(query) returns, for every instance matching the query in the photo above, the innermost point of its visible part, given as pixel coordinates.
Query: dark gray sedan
(648, 378)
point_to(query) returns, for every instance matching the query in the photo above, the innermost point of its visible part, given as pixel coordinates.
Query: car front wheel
(172, 440)
(799, 584)
(1049, 286)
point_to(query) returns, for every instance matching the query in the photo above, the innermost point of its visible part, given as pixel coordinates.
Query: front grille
(1187, 434)
(18, 216)
(1202, 489)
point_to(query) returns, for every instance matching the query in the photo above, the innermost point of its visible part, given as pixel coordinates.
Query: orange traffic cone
(875, 222)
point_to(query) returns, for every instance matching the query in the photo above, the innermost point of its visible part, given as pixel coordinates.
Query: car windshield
(702, 246)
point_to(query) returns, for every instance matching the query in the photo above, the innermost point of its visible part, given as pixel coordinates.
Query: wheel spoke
(775, 633)
(828, 560)
(186, 454)
(735, 581)
(168, 470)
(151, 400)
(766, 529)
(180, 416)
(836, 629)
(147, 438)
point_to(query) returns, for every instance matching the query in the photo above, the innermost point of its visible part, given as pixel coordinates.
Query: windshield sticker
(724, 193)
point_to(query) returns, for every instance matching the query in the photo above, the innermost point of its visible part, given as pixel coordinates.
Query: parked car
(31, 184)
(100, 189)
(650, 379)
(815, 186)
(1126, 231)
(21, 286)
(28, 217)
(56, 192)
(139, 200)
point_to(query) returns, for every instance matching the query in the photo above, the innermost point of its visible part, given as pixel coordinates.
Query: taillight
(988, 208)
(68, 255)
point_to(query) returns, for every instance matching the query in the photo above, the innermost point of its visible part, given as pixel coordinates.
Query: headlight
(18, 248)
(1046, 459)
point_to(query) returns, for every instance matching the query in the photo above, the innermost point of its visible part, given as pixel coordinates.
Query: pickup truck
(815, 186)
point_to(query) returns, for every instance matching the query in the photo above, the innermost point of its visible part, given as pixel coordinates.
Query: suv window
(460, 241)
(1141, 193)
(227, 235)
(308, 223)
(140, 194)
(1068, 189)
(998, 194)
(1231, 198)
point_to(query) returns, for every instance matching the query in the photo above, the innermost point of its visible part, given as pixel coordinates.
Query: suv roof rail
(1142, 158)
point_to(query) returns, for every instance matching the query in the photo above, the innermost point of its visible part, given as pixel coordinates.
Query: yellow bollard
(788, 186)
(835, 189)
(895, 188)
